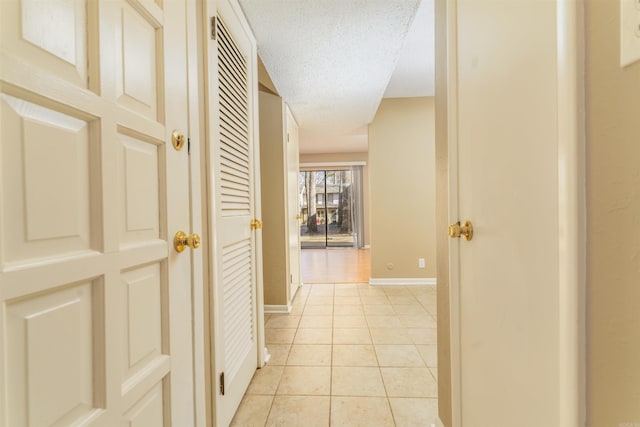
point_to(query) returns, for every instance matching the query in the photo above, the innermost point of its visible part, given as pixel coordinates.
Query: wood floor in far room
(335, 265)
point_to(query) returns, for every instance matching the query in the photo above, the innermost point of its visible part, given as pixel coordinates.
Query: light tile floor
(348, 355)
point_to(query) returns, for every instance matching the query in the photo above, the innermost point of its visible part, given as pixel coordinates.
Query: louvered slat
(235, 86)
(233, 156)
(234, 135)
(234, 126)
(227, 42)
(237, 294)
(232, 185)
(234, 109)
(231, 131)
(230, 171)
(233, 56)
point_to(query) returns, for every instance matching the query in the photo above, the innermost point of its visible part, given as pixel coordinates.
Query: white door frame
(293, 228)
(572, 210)
(571, 214)
(196, 95)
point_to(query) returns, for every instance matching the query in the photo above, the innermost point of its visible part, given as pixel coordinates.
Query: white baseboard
(296, 291)
(266, 355)
(403, 281)
(277, 309)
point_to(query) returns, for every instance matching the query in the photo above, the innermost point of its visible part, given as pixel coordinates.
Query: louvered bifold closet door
(235, 287)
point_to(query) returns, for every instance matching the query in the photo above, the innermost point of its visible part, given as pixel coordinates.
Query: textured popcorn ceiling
(331, 61)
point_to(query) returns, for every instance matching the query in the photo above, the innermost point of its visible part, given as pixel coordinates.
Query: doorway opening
(331, 208)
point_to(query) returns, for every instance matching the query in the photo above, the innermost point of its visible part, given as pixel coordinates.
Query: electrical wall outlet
(629, 32)
(421, 263)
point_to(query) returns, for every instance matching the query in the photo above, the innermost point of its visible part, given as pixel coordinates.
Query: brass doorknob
(182, 240)
(256, 224)
(298, 217)
(457, 230)
(178, 140)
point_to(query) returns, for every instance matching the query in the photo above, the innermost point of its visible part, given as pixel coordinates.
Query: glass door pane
(327, 209)
(311, 185)
(339, 208)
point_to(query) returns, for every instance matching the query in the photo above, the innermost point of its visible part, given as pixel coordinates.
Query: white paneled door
(232, 151)
(515, 339)
(95, 304)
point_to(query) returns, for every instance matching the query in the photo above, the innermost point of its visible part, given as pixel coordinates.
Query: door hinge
(188, 145)
(288, 138)
(213, 28)
(291, 278)
(222, 383)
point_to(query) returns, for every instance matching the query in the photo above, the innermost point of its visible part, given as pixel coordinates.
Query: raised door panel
(51, 35)
(63, 325)
(139, 61)
(142, 181)
(45, 180)
(144, 302)
(149, 411)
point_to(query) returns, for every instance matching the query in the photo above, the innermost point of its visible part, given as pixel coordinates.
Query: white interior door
(232, 138)
(293, 202)
(506, 285)
(95, 305)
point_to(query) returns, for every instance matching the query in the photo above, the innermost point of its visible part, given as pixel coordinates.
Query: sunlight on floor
(335, 265)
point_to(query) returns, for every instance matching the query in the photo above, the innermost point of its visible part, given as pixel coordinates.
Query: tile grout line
(333, 313)
(384, 384)
(275, 393)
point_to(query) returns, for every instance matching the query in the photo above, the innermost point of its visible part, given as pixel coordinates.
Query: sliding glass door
(312, 192)
(328, 209)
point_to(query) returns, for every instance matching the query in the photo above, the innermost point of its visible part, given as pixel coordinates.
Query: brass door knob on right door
(457, 230)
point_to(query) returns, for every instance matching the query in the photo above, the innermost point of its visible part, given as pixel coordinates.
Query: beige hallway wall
(613, 208)
(275, 252)
(402, 179)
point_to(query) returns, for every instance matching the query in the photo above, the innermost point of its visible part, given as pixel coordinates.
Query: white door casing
(293, 205)
(95, 306)
(195, 36)
(514, 155)
(234, 195)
